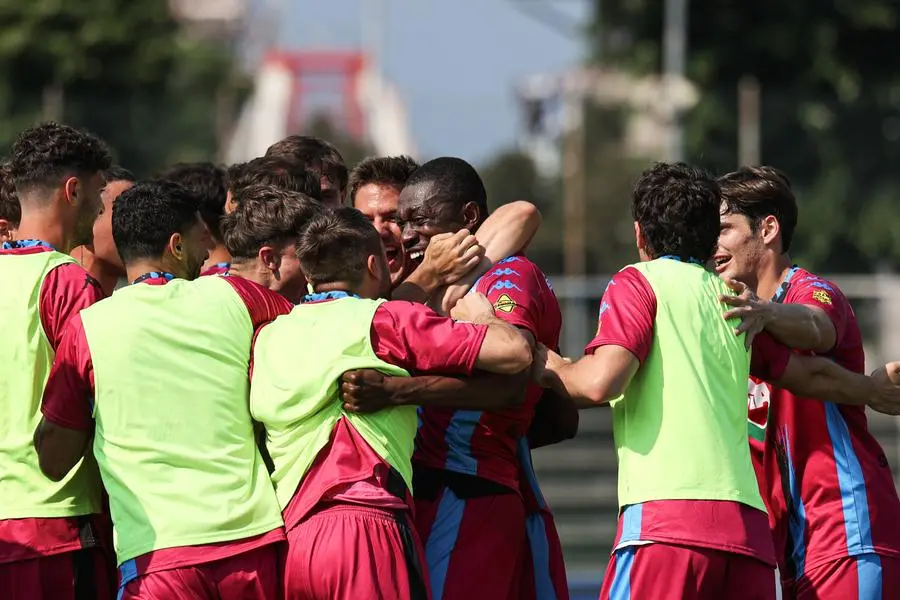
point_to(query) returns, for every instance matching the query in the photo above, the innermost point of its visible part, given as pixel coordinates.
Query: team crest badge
(504, 304)
(822, 296)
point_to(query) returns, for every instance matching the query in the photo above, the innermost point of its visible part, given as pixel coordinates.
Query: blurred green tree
(123, 69)
(830, 102)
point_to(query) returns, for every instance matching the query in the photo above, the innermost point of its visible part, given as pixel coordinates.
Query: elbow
(530, 215)
(518, 358)
(53, 470)
(522, 355)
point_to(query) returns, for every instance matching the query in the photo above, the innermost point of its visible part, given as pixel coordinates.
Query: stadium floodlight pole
(674, 49)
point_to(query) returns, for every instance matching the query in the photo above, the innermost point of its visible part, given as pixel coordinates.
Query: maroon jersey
(825, 480)
(486, 443)
(65, 291)
(407, 335)
(627, 315)
(67, 403)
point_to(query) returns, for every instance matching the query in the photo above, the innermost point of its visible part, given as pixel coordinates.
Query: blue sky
(455, 61)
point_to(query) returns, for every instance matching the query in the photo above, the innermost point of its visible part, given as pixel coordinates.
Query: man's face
(88, 205)
(196, 249)
(104, 246)
(423, 217)
(379, 203)
(739, 250)
(332, 195)
(290, 281)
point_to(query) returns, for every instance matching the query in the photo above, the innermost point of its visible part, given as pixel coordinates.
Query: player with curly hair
(49, 533)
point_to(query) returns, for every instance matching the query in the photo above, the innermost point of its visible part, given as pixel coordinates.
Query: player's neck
(340, 286)
(217, 255)
(251, 271)
(141, 267)
(45, 227)
(772, 274)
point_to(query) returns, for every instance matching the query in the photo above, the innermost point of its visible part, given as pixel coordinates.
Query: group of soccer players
(224, 384)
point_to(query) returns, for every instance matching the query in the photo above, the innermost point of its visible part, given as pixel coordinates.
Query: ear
(4, 230)
(270, 258)
(638, 236)
(176, 247)
(770, 230)
(471, 215)
(372, 267)
(70, 189)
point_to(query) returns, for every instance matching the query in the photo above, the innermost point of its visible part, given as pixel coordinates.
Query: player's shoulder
(806, 284)
(511, 273)
(74, 276)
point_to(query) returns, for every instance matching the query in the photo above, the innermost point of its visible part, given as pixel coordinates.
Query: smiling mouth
(721, 262)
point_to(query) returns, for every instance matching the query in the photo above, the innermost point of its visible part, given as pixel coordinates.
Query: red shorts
(667, 572)
(864, 577)
(348, 552)
(80, 575)
(251, 575)
(475, 547)
(543, 570)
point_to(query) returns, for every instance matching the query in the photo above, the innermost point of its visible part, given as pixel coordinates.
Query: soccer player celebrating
(10, 211)
(157, 374)
(345, 478)
(48, 538)
(262, 236)
(319, 156)
(692, 522)
(375, 185)
(467, 462)
(101, 259)
(831, 497)
(209, 183)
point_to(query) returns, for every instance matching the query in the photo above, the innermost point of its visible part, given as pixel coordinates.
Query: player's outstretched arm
(821, 378)
(799, 326)
(591, 381)
(555, 420)
(507, 231)
(367, 391)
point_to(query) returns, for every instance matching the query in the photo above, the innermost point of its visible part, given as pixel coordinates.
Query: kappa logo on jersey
(547, 281)
(503, 285)
(505, 304)
(508, 260)
(504, 272)
(603, 308)
(822, 296)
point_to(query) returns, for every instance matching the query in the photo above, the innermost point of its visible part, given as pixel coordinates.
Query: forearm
(418, 287)
(483, 391)
(823, 379)
(801, 327)
(508, 230)
(446, 297)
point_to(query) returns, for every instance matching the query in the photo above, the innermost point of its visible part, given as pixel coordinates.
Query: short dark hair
(44, 154)
(118, 173)
(10, 209)
(391, 171)
(266, 216)
(274, 171)
(452, 181)
(314, 154)
(756, 193)
(209, 183)
(335, 246)
(146, 215)
(677, 207)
